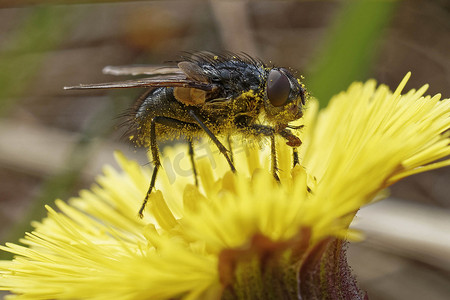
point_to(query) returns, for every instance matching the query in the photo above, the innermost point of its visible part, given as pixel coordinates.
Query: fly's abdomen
(170, 117)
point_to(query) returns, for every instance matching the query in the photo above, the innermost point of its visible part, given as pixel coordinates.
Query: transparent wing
(153, 70)
(173, 81)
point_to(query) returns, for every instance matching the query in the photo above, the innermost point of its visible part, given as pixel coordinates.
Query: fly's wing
(142, 70)
(173, 81)
(193, 71)
(190, 81)
(193, 96)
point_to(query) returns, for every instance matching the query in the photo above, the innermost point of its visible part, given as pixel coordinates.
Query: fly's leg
(229, 147)
(191, 155)
(156, 164)
(269, 131)
(211, 135)
(169, 122)
(293, 141)
(295, 159)
(257, 129)
(273, 154)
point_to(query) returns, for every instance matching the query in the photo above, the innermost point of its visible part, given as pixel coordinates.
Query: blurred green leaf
(349, 48)
(41, 30)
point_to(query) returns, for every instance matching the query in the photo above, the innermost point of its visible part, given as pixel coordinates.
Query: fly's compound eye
(278, 88)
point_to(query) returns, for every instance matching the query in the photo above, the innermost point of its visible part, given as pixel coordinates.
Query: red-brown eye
(278, 88)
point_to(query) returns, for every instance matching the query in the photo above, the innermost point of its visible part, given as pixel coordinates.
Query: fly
(216, 95)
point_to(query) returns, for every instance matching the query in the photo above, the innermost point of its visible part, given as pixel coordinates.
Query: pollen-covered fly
(216, 95)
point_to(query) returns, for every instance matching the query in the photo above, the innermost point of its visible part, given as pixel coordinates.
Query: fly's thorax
(249, 103)
(223, 114)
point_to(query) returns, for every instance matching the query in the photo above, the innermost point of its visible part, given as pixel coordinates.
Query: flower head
(235, 233)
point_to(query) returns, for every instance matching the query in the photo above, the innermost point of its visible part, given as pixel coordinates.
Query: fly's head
(284, 97)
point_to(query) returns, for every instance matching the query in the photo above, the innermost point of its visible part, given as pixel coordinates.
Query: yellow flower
(233, 234)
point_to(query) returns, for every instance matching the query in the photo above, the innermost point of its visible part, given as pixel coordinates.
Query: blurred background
(54, 142)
